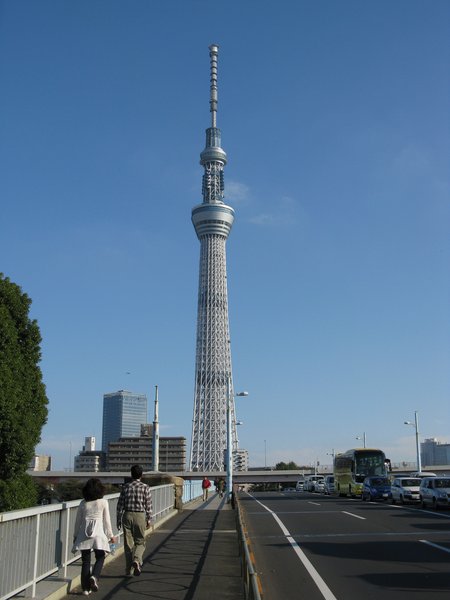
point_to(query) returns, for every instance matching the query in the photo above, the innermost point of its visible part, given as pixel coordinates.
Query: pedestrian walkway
(193, 556)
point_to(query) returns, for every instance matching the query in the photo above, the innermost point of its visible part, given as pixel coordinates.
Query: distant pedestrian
(134, 514)
(206, 484)
(221, 487)
(92, 531)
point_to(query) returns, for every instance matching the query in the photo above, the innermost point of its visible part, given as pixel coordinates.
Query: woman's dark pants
(86, 566)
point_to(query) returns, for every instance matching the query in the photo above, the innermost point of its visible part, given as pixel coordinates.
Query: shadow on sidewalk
(194, 557)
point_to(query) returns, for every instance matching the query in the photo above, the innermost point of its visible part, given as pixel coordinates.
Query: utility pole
(155, 438)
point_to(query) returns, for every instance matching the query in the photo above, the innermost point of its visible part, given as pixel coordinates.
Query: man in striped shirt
(134, 514)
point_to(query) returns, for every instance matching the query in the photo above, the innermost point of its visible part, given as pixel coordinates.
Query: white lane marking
(430, 512)
(352, 515)
(315, 503)
(435, 546)
(324, 589)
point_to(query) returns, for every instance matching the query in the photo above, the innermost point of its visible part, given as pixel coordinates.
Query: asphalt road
(315, 546)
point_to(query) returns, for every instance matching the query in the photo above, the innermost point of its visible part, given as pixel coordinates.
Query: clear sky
(335, 120)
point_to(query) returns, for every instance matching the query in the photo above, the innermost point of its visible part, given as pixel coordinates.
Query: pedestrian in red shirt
(206, 484)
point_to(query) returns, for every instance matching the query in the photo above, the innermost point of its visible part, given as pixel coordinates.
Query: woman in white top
(92, 531)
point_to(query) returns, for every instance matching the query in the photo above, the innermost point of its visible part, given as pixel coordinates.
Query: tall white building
(89, 444)
(240, 460)
(89, 459)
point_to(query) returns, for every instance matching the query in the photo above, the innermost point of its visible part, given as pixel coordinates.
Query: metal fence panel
(191, 490)
(37, 542)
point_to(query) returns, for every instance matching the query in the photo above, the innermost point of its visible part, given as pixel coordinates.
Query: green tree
(290, 466)
(23, 400)
(69, 490)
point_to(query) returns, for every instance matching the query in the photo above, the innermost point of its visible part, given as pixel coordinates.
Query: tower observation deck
(212, 220)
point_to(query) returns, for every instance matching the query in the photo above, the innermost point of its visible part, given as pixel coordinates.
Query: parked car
(435, 491)
(405, 489)
(319, 485)
(376, 488)
(300, 485)
(310, 482)
(422, 474)
(329, 484)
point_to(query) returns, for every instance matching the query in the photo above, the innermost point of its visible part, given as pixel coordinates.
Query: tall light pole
(265, 454)
(332, 454)
(363, 438)
(229, 452)
(155, 439)
(416, 427)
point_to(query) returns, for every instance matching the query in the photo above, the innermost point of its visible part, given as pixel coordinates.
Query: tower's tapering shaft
(213, 376)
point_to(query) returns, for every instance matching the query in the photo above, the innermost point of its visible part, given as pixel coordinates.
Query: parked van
(329, 484)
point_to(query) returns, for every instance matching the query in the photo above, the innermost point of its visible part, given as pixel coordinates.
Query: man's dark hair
(136, 471)
(93, 490)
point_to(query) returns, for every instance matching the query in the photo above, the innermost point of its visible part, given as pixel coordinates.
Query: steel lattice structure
(212, 220)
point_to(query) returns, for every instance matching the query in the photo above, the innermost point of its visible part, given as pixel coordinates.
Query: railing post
(36, 554)
(65, 552)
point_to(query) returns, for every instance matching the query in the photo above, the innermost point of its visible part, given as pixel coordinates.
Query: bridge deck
(193, 556)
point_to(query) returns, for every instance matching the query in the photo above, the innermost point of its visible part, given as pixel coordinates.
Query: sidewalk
(193, 556)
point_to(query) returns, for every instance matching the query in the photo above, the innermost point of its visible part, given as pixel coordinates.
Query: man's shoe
(136, 568)
(86, 592)
(94, 584)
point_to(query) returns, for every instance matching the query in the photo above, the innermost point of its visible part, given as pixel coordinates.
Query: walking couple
(93, 527)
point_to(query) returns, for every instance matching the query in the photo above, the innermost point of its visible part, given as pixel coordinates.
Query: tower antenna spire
(213, 97)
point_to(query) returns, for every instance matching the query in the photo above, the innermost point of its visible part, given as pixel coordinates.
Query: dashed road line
(435, 546)
(353, 515)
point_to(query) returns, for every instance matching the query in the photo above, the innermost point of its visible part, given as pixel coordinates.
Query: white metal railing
(192, 490)
(36, 542)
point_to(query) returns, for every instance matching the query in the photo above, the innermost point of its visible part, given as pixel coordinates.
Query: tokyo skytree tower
(212, 220)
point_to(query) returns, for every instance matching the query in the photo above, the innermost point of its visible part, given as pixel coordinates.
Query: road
(320, 547)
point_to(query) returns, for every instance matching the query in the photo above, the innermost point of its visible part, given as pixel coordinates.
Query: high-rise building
(212, 220)
(240, 460)
(434, 453)
(123, 414)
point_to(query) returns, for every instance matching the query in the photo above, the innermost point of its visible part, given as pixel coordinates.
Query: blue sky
(335, 120)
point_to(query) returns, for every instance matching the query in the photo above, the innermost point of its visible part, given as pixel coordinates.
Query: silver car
(435, 491)
(406, 489)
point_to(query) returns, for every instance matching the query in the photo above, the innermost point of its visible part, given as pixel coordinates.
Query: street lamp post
(229, 452)
(265, 454)
(358, 437)
(333, 455)
(416, 427)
